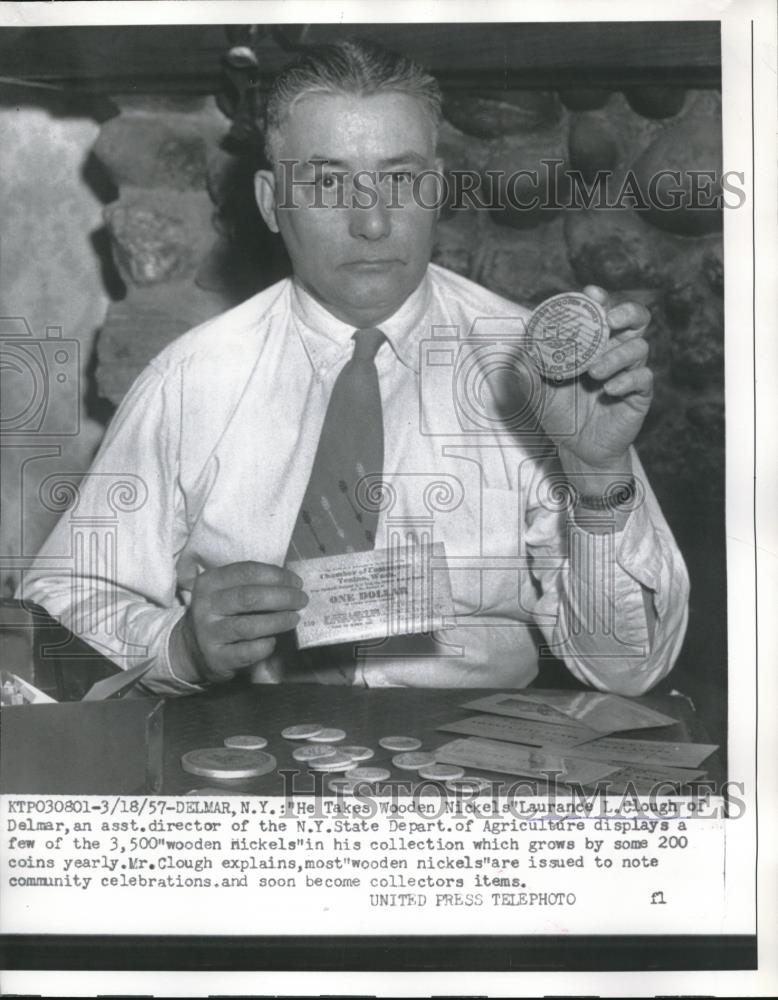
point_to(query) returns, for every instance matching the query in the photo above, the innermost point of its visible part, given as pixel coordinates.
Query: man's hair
(353, 67)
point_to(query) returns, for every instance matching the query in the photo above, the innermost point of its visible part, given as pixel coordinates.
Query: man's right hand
(235, 614)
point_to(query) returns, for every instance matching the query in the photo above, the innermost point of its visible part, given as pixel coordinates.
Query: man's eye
(402, 177)
(330, 181)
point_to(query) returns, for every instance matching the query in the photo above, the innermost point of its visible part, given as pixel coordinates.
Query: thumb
(598, 294)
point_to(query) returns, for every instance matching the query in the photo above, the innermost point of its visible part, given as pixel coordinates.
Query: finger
(629, 354)
(217, 676)
(249, 573)
(270, 671)
(638, 381)
(243, 628)
(214, 672)
(597, 293)
(253, 598)
(628, 316)
(244, 654)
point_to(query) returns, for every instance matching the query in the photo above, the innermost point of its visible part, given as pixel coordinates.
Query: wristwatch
(620, 496)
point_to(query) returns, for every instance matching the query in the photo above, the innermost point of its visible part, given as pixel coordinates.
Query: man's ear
(439, 165)
(265, 195)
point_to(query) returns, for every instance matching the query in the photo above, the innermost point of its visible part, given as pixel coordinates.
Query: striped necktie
(331, 520)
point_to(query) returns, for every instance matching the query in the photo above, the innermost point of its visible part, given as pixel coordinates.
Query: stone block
(584, 98)
(525, 266)
(690, 144)
(461, 154)
(136, 329)
(159, 235)
(616, 249)
(656, 102)
(530, 177)
(492, 114)
(694, 305)
(456, 242)
(593, 146)
(168, 150)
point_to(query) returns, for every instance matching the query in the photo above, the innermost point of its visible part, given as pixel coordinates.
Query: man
(227, 434)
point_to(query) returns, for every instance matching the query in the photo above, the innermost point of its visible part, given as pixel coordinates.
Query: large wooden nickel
(226, 763)
(566, 333)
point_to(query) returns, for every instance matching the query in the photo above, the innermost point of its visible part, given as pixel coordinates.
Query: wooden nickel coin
(227, 763)
(566, 332)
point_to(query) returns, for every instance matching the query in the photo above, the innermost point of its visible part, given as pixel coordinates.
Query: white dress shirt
(207, 459)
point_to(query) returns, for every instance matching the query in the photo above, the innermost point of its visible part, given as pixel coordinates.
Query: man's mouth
(373, 264)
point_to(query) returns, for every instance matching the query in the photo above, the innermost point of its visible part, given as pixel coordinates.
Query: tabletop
(365, 714)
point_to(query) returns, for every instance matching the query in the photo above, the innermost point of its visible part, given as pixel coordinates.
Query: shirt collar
(327, 339)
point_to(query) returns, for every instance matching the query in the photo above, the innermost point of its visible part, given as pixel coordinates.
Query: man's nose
(370, 223)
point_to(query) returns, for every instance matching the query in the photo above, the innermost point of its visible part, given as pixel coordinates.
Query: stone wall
(53, 299)
(188, 240)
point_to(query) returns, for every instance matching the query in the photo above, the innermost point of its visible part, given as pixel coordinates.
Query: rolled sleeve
(591, 607)
(107, 572)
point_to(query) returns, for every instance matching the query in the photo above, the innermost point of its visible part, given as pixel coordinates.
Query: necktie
(331, 520)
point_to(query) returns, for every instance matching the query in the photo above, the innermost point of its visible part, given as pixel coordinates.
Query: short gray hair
(355, 67)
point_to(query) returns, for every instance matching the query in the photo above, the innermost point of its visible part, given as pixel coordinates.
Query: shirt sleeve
(591, 591)
(107, 572)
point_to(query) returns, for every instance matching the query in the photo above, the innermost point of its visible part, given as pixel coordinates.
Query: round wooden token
(566, 332)
(227, 763)
(245, 742)
(303, 731)
(441, 772)
(214, 791)
(328, 736)
(313, 751)
(335, 762)
(412, 761)
(400, 743)
(468, 784)
(369, 774)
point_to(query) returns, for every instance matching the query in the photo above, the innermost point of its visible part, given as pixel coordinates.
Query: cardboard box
(82, 748)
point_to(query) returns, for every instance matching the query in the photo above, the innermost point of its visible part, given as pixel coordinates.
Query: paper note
(507, 758)
(646, 752)
(651, 779)
(517, 708)
(539, 734)
(374, 595)
(607, 713)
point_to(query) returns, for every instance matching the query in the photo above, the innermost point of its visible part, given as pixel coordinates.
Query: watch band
(619, 496)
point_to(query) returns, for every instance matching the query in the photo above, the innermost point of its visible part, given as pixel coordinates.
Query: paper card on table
(374, 595)
(517, 708)
(644, 752)
(605, 713)
(496, 727)
(651, 779)
(118, 684)
(508, 758)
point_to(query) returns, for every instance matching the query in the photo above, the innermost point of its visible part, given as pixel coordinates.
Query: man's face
(353, 220)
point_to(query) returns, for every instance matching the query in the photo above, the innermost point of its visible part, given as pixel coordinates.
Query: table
(65, 667)
(366, 714)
